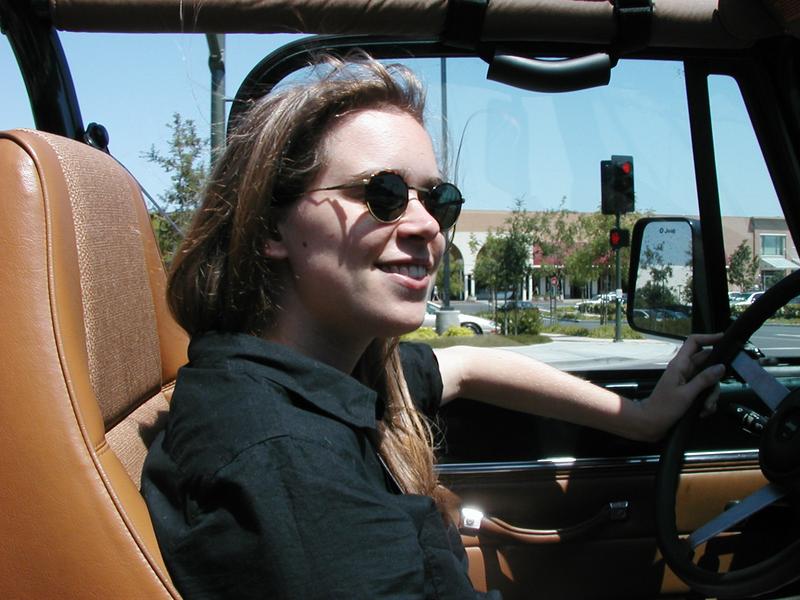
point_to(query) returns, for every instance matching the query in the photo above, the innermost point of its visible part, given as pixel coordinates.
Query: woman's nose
(417, 220)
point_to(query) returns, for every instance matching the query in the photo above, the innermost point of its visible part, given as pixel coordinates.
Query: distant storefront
(767, 238)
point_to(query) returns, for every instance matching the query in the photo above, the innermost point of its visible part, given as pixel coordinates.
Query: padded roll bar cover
(551, 76)
(696, 23)
(73, 524)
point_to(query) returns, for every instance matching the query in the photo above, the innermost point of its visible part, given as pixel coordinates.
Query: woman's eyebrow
(428, 183)
(364, 174)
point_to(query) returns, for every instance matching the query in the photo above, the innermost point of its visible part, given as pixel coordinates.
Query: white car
(747, 298)
(477, 324)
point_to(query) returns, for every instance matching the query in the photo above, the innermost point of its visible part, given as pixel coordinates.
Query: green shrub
(573, 330)
(737, 310)
(790, 311)
(523, 322)
(458, 331)
(423, 333)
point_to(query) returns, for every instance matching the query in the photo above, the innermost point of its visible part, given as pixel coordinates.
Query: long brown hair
(221, 280)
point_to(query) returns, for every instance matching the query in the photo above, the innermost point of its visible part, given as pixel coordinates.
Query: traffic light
(619, 238)
(616, 183)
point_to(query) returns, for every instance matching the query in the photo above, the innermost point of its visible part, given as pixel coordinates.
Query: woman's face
(351, 276)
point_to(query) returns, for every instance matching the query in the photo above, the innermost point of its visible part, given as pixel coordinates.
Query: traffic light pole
(617, 197)
(618, 324)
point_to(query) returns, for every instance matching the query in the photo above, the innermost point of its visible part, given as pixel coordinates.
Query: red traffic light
(616, 185)
(619, 238)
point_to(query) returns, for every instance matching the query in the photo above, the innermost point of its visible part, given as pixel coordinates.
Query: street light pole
(446, 266)
(618, 324)
(216, 64)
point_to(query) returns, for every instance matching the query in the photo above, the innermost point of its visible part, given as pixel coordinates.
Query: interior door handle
(474, 522)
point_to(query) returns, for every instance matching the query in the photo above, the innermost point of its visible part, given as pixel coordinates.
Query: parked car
(594, 301)
(700, 94)
(747, 298)
(512, 305)
(735, 297)
(593, 304)
(477, 324)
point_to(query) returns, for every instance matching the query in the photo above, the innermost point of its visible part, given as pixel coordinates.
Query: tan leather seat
(89, 355)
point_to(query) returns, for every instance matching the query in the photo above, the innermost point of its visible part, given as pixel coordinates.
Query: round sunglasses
(386, 197)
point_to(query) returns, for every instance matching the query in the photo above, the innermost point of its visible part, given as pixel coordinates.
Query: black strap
(463, 24)
(634, 25)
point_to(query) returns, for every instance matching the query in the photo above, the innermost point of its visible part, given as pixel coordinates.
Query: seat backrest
(89, 355)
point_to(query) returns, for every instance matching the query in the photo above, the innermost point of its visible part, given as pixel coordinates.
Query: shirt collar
(327, 388)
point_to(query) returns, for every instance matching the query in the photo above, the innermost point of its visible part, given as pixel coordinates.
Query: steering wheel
(779, 460)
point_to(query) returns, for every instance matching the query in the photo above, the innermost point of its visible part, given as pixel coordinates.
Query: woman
(297, 461)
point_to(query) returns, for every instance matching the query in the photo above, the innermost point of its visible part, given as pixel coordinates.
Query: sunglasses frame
(365, 181)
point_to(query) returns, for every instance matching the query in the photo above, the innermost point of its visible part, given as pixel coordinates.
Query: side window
(16, 109)
(773, 245)
(758, 247)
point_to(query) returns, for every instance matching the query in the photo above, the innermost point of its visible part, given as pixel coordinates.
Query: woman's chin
(403, 327)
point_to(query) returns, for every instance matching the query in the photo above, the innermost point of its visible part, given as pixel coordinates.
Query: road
(773, 340)
(778, 340)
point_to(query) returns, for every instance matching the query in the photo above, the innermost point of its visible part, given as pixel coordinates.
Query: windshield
(526, 162)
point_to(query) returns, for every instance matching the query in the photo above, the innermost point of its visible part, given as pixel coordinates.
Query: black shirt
(266, 484)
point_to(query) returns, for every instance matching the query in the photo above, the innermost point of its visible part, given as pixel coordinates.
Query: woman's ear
(274, 247)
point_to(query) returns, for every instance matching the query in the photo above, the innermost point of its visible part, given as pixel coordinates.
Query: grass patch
(783, 321)
(604, 331)
(487, 341)
(572, 330)
(608, 331)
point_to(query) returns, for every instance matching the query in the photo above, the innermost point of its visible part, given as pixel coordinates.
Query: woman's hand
(680, 384)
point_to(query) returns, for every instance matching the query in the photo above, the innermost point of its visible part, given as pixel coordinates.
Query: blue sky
(133, 84)
(543, 149)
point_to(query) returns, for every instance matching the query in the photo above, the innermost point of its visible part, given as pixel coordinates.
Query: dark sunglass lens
(445, 204)
(387, 196)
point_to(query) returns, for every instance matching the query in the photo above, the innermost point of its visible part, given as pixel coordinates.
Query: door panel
(618, 557)
(543, 474)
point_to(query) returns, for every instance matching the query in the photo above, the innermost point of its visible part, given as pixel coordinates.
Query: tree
(656, 293)
(488, 262)
(184, 163)
(505, 259)
(456, 275)
(593, 251)
(743, 267)
(553, 233)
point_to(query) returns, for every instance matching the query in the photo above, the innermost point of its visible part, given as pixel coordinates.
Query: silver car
(478, 325)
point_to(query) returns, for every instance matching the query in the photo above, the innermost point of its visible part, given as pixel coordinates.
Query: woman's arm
(511, 380)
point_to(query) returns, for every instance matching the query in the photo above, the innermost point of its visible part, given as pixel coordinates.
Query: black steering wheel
(779, 459)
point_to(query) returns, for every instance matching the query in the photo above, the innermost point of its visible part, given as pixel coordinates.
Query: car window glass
(539, 153)
(758, 247)
(177, 81)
